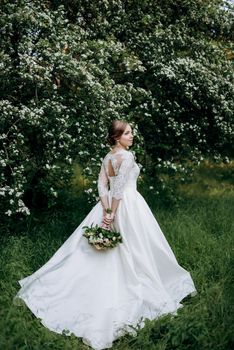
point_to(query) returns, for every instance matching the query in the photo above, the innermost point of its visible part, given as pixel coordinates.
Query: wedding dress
(102, 295)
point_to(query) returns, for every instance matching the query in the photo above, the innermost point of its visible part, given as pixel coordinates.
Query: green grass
(200, 232)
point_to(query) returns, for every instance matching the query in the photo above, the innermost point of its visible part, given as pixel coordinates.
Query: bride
(100, 295)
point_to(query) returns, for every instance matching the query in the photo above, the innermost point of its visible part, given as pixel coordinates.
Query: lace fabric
(102, 182)
(121, 162)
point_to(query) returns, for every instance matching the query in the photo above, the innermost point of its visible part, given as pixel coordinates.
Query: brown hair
(115, 130)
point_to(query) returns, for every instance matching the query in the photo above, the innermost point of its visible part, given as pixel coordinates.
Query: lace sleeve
(122, 175)
(102, 182)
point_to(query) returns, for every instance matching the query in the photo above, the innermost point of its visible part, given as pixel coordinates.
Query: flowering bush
(68, 68)
(57, 96)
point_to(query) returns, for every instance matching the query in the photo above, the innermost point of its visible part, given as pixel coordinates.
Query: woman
(102, 295)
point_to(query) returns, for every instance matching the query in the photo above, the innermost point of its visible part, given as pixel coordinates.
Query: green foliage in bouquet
(102, 238)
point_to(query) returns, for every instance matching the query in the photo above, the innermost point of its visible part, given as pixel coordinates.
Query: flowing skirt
(103, 295)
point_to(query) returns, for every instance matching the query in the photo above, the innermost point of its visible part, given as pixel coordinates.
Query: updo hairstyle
(115, 131)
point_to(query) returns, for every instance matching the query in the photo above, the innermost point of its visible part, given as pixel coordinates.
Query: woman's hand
(108, 219)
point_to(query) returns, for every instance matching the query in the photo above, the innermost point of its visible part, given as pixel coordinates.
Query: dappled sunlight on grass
(210, 180)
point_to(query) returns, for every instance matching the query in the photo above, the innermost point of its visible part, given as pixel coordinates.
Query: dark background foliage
(69, 67)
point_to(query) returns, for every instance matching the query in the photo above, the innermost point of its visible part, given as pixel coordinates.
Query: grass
(200, 232)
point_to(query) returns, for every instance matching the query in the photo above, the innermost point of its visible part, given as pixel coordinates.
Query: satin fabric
(103, 295)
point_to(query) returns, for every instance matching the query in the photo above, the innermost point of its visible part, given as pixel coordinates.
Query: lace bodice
(118, 170)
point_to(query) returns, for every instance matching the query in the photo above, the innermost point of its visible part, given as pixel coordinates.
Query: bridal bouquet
(101, 237)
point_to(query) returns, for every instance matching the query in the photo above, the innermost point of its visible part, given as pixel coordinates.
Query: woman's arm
(114, 205)
(102, 185)
(109, 217)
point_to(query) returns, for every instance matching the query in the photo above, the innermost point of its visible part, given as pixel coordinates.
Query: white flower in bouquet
(101, 237)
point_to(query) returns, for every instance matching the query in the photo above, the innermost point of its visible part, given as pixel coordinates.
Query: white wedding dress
(102, 295)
